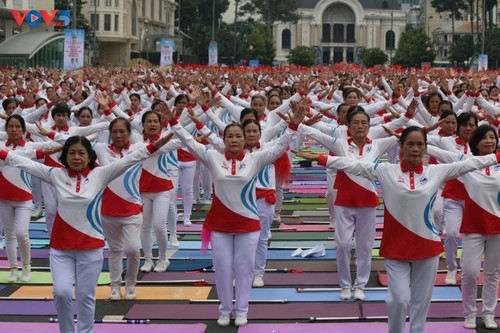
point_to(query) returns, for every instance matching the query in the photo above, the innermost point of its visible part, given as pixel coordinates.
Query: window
(143, 8)
(117, 3)
(390, 40)
(160, 9)
(152, 9)
(286, 39)
(107, 22)
(351, 33)
(134, 18)
(95, 3)
(326, 33)
(107, 3)
(116, 22)
(338, 33)
(94, 21)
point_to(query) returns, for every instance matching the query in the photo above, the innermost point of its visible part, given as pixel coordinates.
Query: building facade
(340, 29)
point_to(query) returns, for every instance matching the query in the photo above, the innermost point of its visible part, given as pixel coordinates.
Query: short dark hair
(246, 111)
(251, 121)
(19, 118)
(85, 143)
(464, 118)
(8, 101)
(60, 108)
(354, 110)
(231, 126)
(120, 120)
(478, 135)
(409, 130)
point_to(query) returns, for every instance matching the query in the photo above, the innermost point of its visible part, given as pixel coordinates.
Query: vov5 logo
(35, 17)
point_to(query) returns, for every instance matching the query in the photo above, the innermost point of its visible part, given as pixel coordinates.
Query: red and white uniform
(77, 237)
(410, 244)
(233, 219)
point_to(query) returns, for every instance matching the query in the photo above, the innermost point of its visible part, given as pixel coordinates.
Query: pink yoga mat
(195, 227)
(430, 327)
(30, 327)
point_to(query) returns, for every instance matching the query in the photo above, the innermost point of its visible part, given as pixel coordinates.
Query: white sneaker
(26, 273)
(37, 212)
(258, 281)
(240, 321)
(148, 266)
(359, 294)
(277, 217)
(172, 239)
(12, 276)
(161, 265)
(489, 322)
(224, 320)
(130, 293)
(470, 321)
(187, 223)
(345, 294)
(451, 277)
(115, 294)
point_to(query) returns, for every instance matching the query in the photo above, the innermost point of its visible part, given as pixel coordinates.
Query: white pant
(266, 213)
(410, 283)
(123, 235)
(186, 179)
(348, 219)
(475, 246)
(36, 190)
(50, 204)
(154, 216)
(203, 178)
(233, 258)
(172, 206)
(453, 212)
(83, 268)
(331, 193)
(16, 216)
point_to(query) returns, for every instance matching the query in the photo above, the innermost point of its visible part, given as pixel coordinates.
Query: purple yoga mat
(437, 310)
(431, 327)
(30, 327)
(270, 279)
(256, 311)
(29, 308)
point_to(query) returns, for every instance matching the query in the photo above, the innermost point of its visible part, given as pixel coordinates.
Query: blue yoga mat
(38, 234)
(292, 295)
(38, 226)
(271, 255)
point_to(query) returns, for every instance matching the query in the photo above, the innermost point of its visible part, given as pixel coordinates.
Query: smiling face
(234, 139)
(78, 158)
(413, 148)
(488, 144)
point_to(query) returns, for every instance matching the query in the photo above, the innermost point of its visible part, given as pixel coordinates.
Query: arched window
(286, 39)
(390, 40)
(338, 24)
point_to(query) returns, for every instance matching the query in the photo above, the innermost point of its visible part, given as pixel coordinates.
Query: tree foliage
(372, 57)
(461, 51)
(492, 47)
(272, 10)
(302, 56)
(455, 7)
(81, 21)
(414, 48)
(260, 44)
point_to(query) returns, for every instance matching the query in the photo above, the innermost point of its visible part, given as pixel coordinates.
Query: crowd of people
(108, 148)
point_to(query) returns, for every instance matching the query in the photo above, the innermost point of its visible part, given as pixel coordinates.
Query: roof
(24, 45)
(366, 4)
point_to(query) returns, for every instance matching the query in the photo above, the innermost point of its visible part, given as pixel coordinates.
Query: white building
(339, 29)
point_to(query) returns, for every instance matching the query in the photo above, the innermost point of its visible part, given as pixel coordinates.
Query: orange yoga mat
(143, 292)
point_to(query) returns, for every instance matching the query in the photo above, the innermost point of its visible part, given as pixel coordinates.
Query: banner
(74, 46)
(167, 52)
(482, 63)
(212, 53)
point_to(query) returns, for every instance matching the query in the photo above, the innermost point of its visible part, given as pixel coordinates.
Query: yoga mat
(29, 308)
(371, 327)
(440, 277)
(291, 294)
(270, 279)
(329, 245)
(46, 278)
(176, 265)
(271, 255)
(30, 327)
(256, 311)
(308, 190)
(38, 227)
(289, 195)
(303, 213)
(311, 201)
(308, 185)
(143, 292)
(292, 236)
(305, 227)
(305, 207)
(195, 227)
(38, 234)
(189, 245)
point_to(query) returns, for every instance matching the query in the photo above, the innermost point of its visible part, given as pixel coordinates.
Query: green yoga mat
(46, 278)
(310, 201)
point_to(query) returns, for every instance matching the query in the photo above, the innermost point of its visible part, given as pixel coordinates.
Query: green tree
(260, 44)
(81, 21)
(302, 56)
(492, 47)
(372, 57)
(461, 51)
(414, 48)
(272, 10)
(455, 7)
